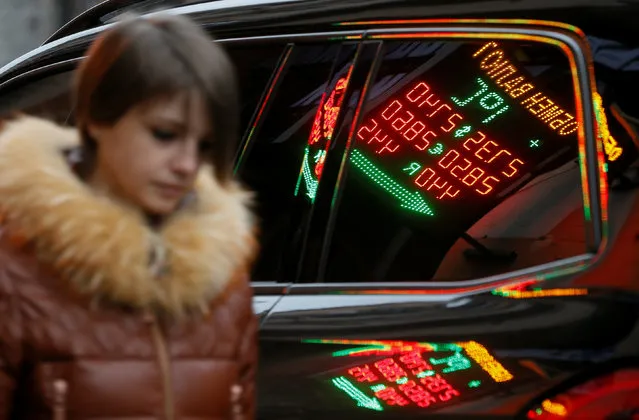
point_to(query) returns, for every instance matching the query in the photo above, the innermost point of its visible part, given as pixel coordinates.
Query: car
(447, 195)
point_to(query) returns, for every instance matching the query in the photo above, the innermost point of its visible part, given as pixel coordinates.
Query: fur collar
(103, 248)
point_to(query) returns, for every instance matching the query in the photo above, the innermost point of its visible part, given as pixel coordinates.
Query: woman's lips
(171, 191)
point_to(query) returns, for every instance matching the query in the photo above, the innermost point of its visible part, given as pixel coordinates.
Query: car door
(376, 289)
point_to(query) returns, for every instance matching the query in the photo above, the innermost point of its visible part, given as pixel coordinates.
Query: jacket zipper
(165, 367)
(236, 402)
(60, 388)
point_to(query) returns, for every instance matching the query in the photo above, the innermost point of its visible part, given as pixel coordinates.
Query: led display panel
(382, 375)
(458, 138)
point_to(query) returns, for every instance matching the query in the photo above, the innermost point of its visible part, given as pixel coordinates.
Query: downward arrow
(409, 200)
(362, 399)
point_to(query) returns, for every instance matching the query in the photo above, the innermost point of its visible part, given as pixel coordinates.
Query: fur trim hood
(106, 250)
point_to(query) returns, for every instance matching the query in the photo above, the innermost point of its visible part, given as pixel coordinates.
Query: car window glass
(255, 66)
(452, 177)
(277, 165)
(48, 97)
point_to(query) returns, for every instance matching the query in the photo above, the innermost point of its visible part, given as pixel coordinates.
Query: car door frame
(595, 188)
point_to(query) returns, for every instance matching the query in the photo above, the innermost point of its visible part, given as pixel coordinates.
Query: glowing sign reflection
(496, 64)
(420, 116)
(414, 374)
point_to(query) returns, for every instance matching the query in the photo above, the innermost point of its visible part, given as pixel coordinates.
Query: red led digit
(402, 122)
(391, 397)
(448, 394)
(366, 129)
(388, 147)
(451, 122)
(316, 132)
(436, 185)
(411, 389)
(463, 169)
(377, 137)
(448, 192)
(426, 141)
(498, 154)
(487, 183)
(435, 383)
(426, 401)
(391, 110)
(454, 154)
(485, 149)
(417, 394)
(424, 177)
(388, 143)
(414, 130)
(363, 374)
(514, 170)
(341, 83)
(472, 140)
(390, 369)
(417, 92)
(432, 114)
(330, 118)
(474, 175)
(414, 360)
(429, 99)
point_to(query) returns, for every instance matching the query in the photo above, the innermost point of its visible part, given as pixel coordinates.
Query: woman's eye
(164, 135)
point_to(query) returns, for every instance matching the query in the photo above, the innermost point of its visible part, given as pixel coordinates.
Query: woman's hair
(140, 59)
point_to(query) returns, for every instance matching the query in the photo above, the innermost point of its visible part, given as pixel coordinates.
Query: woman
(126, 243)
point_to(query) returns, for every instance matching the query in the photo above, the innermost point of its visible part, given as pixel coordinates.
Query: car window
(455, 175)
(277, 164)
(255, 66)
(48, 97)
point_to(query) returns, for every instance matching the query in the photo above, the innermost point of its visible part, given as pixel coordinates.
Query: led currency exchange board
(387, 375)
(461, 136)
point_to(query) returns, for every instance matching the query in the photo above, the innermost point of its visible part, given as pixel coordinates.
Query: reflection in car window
(254, 65)
(277, 151)
(464, 165)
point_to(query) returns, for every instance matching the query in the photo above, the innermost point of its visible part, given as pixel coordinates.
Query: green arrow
(362, 399)
(410, 200)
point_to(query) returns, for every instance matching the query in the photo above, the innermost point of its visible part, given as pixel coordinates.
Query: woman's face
(151, 156)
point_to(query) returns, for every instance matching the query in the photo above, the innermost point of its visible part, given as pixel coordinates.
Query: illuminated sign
(457, 138)
(479, 353)
(496, 64)
(411, 374)
(611, 147)
(320, 137)
(414, 121)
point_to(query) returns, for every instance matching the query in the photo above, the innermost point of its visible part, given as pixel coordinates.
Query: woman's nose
(187, 160)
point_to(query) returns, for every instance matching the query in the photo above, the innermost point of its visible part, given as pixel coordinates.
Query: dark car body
(585, 325)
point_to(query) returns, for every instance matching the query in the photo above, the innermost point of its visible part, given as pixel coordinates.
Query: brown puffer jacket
(102, 317)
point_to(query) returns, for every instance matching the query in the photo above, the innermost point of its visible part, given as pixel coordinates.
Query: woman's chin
(160, 206)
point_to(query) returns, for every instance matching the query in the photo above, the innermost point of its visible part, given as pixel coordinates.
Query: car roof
(67, 44)
(106, 11)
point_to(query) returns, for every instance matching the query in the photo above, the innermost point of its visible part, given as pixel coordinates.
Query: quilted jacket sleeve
(10, 343)
(247, 354)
